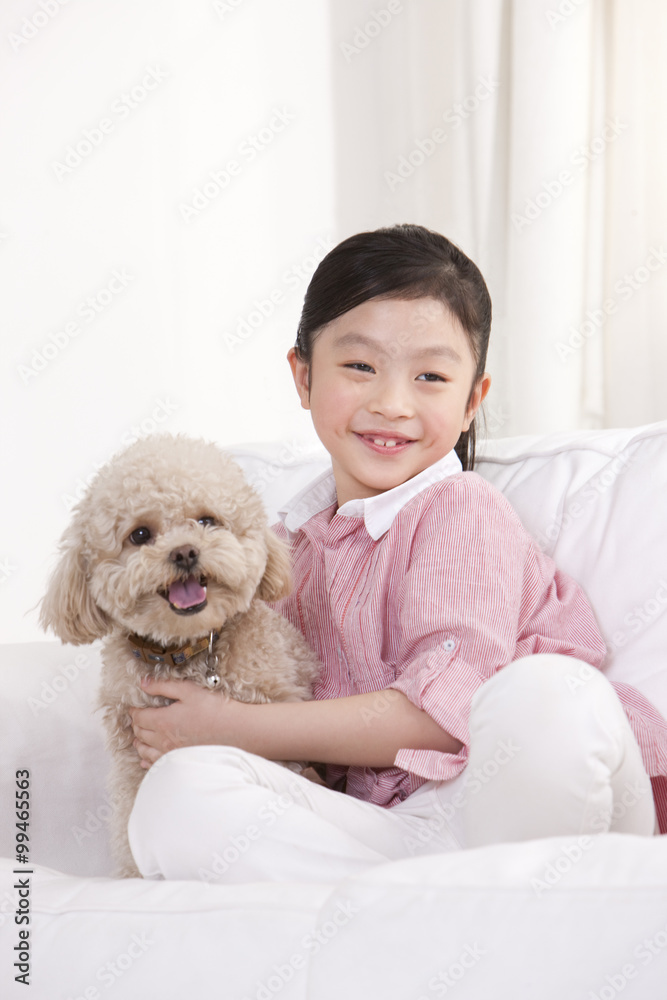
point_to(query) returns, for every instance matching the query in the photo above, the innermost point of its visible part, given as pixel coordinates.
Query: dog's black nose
(184, 557)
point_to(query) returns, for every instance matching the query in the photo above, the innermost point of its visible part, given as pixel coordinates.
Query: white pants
(551, 752)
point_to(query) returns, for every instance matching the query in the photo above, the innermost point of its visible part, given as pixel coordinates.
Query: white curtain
(534, 134)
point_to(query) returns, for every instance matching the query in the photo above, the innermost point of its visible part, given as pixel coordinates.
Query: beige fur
(107, 587)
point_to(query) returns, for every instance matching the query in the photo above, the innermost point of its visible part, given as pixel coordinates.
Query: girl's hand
(365, 730)
(197, 717)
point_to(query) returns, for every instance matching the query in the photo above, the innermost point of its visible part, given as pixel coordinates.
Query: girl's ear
(301, 376)
(277, 580)
(67, 608)
(482, 386)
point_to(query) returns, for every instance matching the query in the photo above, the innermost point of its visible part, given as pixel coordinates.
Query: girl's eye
(431, 377)
(360, 366)
(140, 536)
(206, 521)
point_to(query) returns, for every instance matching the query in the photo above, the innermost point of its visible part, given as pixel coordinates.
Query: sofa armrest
(48, 725)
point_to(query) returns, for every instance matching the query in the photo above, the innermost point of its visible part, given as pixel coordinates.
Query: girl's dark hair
(407, 262)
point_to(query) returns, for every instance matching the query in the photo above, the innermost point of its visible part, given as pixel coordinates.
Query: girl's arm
(366, 730)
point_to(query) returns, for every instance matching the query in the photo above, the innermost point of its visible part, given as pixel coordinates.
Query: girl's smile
(380, 443)
(389, 390)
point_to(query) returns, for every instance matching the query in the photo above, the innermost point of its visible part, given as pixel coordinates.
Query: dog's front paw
(313, 776)
(128, 870)
(312, 772)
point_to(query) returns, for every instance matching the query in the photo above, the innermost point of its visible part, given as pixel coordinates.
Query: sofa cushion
(595, 502)
(552, 918)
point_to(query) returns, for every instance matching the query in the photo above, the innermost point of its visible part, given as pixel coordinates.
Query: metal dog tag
(212, 677)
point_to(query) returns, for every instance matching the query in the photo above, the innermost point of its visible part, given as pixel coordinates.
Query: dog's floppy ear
(68, 608)
(277, 579)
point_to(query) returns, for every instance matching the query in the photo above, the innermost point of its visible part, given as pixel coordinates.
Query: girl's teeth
(387, 444)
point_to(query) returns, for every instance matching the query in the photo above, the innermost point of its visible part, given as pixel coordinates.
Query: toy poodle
(169, 558)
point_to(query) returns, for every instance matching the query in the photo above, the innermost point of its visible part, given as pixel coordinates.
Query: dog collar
(149, 652)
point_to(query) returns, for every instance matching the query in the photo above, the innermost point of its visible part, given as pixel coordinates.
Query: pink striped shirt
(430, 588)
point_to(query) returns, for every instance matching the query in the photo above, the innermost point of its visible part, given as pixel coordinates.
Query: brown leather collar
(150, 652)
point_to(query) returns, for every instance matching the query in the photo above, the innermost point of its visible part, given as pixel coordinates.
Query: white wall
(160, 346)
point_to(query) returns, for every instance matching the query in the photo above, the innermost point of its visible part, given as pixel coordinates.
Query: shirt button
(449, 645)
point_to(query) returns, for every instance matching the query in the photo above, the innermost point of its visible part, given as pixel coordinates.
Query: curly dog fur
(171, 543)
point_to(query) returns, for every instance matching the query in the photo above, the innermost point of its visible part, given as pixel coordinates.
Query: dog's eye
(140, 536)
(207, 522)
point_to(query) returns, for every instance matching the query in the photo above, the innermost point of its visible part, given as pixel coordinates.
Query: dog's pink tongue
(186, 593)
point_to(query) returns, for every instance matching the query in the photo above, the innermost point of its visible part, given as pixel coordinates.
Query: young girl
(457, 705)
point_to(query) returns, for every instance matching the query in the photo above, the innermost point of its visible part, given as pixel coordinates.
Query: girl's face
(390, 391)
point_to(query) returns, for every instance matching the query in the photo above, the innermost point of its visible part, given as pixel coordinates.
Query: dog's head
(169, 542)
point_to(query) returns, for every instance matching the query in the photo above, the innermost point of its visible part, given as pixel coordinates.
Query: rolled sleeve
(441, 685)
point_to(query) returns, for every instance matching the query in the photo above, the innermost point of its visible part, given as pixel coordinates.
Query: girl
(415, 583)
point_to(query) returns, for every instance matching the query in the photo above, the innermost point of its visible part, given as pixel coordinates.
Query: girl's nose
(390, 398)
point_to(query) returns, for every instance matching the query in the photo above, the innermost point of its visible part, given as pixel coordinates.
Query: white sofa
(555, 918)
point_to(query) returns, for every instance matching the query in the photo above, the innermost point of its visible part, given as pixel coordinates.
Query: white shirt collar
(378, 512)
